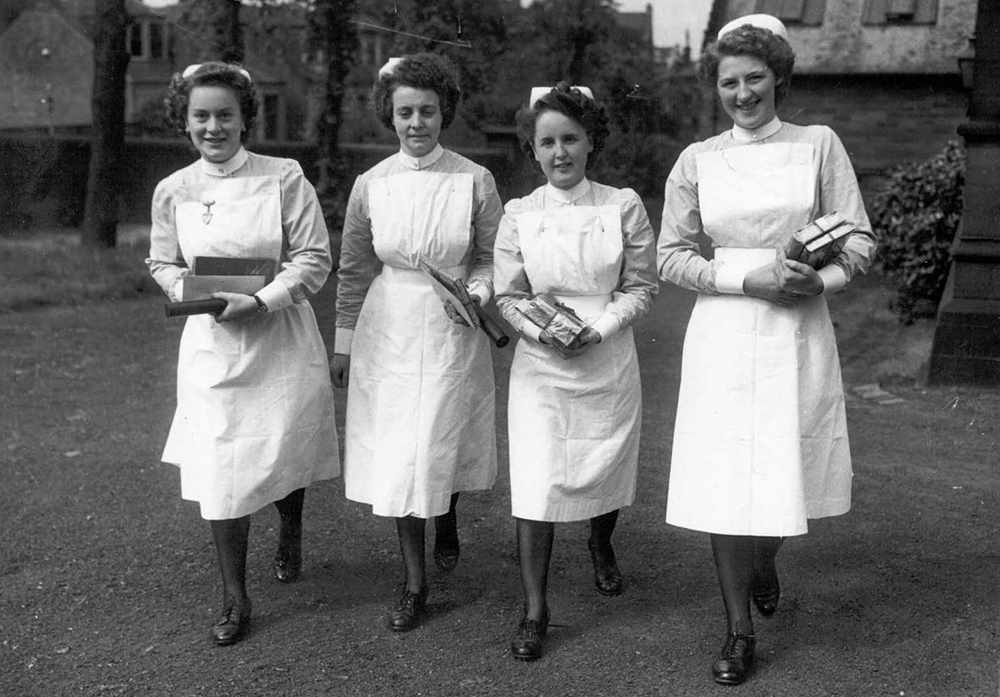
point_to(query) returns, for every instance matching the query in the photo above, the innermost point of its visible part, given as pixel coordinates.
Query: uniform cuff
(530, 329)
(606, 325)
(480, 291)
(834, 278)
(342, 340)
(275, 295)
(729, 279)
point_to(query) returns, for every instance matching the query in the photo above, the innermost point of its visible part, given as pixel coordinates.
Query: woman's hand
(454, 315)
(783, 282)
(340, 369)
(239, 308)
(580, 344)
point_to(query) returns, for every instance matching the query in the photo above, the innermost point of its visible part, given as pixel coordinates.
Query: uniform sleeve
(485, 220)
(509, 278)
(306, 255)
(839, 192)
(165, 262)
(637, 284)
(678, 256)
(357, 265)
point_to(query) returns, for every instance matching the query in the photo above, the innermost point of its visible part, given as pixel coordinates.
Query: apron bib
(420, 410)
(760, 441)
(255, 415)
(574, 424)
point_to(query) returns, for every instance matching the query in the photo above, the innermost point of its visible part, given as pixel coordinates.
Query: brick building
(882, 73)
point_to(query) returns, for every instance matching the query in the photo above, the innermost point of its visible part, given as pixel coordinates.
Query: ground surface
(108, 581)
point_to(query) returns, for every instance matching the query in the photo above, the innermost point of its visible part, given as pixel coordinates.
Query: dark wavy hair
(570, 102)
(422, 71)
(760, 43)
(231, 75)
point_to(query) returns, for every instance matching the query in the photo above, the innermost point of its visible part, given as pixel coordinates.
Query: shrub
(916, 217)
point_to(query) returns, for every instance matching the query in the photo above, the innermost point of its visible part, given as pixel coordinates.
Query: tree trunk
(333, 33)
(100, 220)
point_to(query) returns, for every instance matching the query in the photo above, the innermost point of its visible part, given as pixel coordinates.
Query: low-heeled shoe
(765, 597)
(287, 566)
(408, 610)
(446, 551)
(607, 578)
(233, 625)
(527, 643)
(735, 660)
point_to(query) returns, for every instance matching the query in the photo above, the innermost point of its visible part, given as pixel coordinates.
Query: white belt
(588, 307)
(745, 258)
(393, 274)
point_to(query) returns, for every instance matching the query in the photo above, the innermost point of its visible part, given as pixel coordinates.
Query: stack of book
(819, 242)
(562, 324)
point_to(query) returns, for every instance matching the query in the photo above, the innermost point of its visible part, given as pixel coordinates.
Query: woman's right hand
(340, 369)
(772, 282)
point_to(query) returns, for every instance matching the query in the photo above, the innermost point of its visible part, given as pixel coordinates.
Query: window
(900, 12)
(147, 40)
(807, 12)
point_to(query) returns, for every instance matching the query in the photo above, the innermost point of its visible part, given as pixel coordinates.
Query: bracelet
(261, 307)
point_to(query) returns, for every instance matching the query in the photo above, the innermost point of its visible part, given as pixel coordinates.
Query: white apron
(760, 442)
(574, 424)
(420, 406)
(255, 410)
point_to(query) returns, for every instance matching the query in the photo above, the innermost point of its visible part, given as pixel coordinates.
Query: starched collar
(424, 162)
(568, 197)
(759, 133)
(224, 169)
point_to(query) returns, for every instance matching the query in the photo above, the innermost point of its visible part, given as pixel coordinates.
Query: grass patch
(50, 268)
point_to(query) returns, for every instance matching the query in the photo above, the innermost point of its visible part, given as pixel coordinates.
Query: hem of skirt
(241, 511)
(570, 512)
(390, 511)
(795, 529)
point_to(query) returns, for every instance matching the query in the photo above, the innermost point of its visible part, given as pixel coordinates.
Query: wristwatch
(261, 306)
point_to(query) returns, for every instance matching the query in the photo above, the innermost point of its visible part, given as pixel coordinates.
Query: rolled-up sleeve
(165, 262)
(638, 284)
(357, 265)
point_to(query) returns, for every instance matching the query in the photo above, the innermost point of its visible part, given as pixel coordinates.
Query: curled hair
(230, 75)
(422, 71)
(570, 102)
(760, 43)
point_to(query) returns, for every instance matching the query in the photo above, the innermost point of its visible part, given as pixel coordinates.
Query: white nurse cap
(762, 21)
(539, 92)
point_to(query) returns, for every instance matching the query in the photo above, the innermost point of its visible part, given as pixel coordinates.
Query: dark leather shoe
(765, 596)
(287, 566)
(527, 643)
(446, 547)
(607, 578)
(735, 660)
(408, 610)
(233, 625)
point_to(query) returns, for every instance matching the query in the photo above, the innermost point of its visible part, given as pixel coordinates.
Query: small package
(819, 242)
(545, 312)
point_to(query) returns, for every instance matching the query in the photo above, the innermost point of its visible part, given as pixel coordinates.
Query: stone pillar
(967, 338)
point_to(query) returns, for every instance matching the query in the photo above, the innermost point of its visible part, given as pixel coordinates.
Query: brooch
(206, 217)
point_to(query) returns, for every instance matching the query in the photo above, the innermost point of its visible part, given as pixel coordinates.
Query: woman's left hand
(454, 315)
(580, 345)
(801, 279)
(239, 308)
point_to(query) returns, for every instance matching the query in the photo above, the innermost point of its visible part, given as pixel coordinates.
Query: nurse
(760, 442)
(420, 401)
(574, 411)
(254, 421)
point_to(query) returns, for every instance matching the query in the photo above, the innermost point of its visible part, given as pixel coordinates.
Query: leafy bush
(916, 217)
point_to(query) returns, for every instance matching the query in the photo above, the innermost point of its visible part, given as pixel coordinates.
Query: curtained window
(900, 12)
(808, 12)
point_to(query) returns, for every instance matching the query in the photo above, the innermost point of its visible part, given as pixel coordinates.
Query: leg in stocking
(231, 544)
(446, 548)
(288, 558)
(406, 616)
(734, 565)
(534, 551)
(607, 577)
(765, 588)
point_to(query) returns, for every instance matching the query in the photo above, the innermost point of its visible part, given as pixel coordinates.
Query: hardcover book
(226, 274)
(819, 242)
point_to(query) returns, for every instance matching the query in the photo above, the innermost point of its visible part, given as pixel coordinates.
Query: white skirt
(255, 411)
(760, 442)
(421, 402)
(574, 428)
